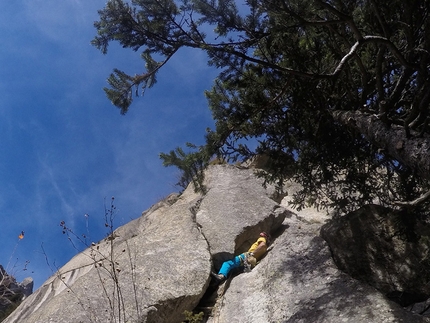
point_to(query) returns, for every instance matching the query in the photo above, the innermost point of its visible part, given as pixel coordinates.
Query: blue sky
(64, 148)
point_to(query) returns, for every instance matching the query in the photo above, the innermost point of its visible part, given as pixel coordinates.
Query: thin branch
(344, 17)
(137, 79)
(379, 79)
(374, 39)
(381, 21)
(421, 199)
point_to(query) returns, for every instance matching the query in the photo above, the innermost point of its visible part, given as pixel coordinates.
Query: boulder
(27, 286)
(384, 248)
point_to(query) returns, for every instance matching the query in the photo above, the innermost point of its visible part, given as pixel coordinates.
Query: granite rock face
(235, 210)
(161, 263)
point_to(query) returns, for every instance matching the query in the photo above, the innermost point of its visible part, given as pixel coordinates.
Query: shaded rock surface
(165, 258)
(387, 249)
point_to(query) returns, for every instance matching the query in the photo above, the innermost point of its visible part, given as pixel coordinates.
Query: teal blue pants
(228, 265)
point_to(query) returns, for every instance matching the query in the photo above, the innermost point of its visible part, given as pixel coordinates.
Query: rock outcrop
(12, 292)
(156, 266)
(160, 264)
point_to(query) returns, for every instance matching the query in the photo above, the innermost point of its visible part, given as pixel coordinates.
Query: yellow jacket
(259, 251)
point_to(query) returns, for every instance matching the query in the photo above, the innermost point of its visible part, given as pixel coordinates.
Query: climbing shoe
(218, 277)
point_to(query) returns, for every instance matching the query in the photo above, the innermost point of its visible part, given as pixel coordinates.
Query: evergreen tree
(337, 93)
(190, 164)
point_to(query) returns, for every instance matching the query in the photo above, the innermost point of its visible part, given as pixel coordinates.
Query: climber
(247, 259)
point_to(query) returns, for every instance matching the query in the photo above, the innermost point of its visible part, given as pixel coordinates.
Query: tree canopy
(336, 93)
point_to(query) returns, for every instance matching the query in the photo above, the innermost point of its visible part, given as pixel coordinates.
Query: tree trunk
(413, 152)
